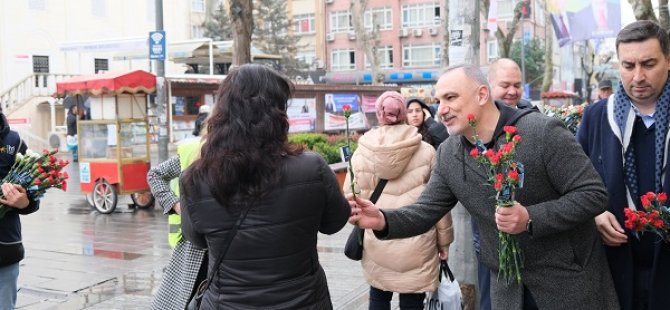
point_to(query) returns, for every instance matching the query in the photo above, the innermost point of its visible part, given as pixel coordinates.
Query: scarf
(624, 117)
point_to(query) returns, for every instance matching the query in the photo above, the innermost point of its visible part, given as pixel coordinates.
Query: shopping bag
(447, 296)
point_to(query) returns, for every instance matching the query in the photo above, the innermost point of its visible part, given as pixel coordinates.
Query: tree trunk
(367, 40)
(447, 35)
(663, 15)
(548, 78)
(241, 13)
(643, 10)
(505, 40)
(587, 65)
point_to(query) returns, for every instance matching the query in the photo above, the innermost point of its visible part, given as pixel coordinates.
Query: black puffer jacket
(272, 262)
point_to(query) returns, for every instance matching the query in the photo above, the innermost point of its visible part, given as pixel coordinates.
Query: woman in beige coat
(395, 151)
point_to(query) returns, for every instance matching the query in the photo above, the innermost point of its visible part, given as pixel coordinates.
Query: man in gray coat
(565, 266)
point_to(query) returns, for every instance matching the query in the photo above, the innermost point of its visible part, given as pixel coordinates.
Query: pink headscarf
(391, 108)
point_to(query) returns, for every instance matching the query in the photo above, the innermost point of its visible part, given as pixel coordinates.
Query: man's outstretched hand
(365, 214)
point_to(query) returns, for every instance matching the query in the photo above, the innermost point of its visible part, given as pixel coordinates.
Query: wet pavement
(77, 258)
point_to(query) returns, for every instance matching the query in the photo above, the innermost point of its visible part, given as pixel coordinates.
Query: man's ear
(483, 94)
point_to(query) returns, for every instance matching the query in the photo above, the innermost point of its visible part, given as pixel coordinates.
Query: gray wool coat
(565, 265)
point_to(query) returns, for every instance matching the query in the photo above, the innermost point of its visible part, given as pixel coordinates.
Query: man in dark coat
(16, 199)
(552, 217)
(626, 136)
(505, 78)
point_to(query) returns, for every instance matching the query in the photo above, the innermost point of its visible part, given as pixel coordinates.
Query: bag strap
(444, 268)
(226, 244)
(378, 190)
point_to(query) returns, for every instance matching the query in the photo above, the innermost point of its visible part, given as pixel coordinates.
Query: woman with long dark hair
(263, 196)
(420, 116)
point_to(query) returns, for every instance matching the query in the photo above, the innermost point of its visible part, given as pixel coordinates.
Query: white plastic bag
(447, 296)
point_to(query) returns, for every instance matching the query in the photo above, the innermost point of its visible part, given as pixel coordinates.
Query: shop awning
(175, 51)
(132, 82)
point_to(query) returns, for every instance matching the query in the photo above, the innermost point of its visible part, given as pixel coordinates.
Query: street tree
(595, 66)
(504, 39)
(367, 39)
(217, 25)
(273, 34)
(241, 13)
(534, 60)
(644, 10)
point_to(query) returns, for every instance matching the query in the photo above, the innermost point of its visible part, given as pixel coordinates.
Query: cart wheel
(104, 197)
(89, 199)
(143, 200)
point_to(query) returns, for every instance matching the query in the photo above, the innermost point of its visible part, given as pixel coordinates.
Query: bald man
(505, 79)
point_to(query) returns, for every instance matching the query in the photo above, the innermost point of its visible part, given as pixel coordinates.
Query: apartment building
(409, 35)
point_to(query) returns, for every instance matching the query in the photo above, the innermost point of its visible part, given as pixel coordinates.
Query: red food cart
(114, 154)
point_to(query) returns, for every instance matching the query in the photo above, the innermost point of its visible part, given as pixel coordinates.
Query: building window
(420, 15)
(382, 17)
(492, 50)
(308, 57)
(303, 24)
(506, 10)
(40, 65)
(340, 21)
(101, 64)
(343, 59)
(37, 4)
(198, 6)
(99, 8)
(427, 55)
(385, 57)
(196, 32)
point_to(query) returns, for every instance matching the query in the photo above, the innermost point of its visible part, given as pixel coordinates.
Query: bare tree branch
(505, 40)
(368, 40)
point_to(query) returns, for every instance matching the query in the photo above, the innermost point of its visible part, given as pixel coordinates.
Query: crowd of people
(246, 206)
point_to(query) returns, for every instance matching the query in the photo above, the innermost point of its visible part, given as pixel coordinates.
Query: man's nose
(639, 74)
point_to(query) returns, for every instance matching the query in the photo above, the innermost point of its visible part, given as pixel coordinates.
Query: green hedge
(328, 147)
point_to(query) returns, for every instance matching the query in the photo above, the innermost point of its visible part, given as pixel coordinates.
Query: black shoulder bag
(195, 302)
(354, 247)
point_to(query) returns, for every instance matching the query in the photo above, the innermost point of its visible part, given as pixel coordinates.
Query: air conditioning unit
(329, 1)
(417, 32)
(352, 35)
(434, 31)
(330, 37)
(403, 32)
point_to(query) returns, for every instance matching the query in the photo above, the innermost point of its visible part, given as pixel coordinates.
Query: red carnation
(516, 139)
(651, 196)
(509, 130)
(513, 175)
(474, 152)
(37, 181)
(646, 203)
(662, 198)
(471, 117)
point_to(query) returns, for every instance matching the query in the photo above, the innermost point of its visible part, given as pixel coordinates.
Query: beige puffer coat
(396, 153)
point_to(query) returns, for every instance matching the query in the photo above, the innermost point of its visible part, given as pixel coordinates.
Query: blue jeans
(9, 276)
(381, 300)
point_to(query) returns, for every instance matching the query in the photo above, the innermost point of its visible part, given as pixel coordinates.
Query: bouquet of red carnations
(654, 218)
(505, 174)
(36, 173)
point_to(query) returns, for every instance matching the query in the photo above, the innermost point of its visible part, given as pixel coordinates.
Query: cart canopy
(111, 83)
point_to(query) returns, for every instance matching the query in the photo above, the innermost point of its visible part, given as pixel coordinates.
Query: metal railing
(35, 85)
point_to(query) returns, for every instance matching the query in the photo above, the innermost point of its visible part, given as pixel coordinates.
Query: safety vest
(188, 152)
